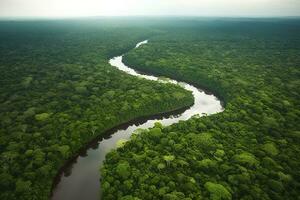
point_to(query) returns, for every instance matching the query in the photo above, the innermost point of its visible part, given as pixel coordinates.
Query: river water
(80, 179)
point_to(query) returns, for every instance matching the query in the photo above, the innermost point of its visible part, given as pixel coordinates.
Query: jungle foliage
(251, 150)
(58, 92)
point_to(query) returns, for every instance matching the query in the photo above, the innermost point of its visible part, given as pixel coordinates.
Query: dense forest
(58, 92)
(251, 150)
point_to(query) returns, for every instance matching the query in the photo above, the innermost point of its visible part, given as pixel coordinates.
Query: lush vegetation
(58, 92)
(251, 150)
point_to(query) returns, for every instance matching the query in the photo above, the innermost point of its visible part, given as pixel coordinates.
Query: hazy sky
(69, 8)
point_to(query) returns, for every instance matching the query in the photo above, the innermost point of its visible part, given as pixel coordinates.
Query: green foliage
(58, 92)
(169, 158)
(246, 158)
(249, 151)
(129, 197)
(23, 186)
(156, 133)
(217, 191)
(270, 148)
(161, 166)
(204, 140)
(42, 116)
(206, 164)
(123, 170)
(219, 153)
(64, 150)
(121, 143)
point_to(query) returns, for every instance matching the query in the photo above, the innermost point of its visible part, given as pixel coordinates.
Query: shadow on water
(66, 170)
(80, 177)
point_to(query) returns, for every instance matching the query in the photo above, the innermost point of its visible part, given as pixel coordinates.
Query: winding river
(80, 178)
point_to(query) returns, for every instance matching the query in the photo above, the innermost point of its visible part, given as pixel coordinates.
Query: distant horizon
(126, 8)
(146, 16)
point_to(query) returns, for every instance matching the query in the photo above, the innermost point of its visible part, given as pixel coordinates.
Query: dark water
(80, 180)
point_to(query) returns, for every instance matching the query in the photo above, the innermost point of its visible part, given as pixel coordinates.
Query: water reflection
(80, 179)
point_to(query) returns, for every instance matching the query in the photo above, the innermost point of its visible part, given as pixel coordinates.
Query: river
(80, 179)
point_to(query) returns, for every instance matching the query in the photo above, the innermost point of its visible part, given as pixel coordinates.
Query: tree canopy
(249, 151)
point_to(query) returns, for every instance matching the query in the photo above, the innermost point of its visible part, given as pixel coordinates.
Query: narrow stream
(80, 179)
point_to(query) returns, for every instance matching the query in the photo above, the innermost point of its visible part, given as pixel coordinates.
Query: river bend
(80, 178)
